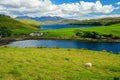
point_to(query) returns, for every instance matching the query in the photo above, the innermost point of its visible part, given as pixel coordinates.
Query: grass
(22, 31)
(112, 29)
(57, 64)
(18, 26)
(31, 22)
(61, 33)
(70, 33)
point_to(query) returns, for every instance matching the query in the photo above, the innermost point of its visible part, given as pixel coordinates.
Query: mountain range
(42, 19)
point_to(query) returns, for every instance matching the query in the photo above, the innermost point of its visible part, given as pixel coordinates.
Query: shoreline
(5, 41)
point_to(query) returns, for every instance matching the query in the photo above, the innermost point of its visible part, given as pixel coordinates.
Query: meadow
(57, 64)
(70, 33)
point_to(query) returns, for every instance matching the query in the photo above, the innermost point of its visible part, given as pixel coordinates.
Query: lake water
(109, 46)
(59, 26)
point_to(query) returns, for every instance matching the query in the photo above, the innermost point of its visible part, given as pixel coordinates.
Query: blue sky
(73, 1)
(104, 2)
(75, 9)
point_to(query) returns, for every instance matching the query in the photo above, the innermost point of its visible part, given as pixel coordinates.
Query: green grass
(31, 22)
(22, 31)
(112, 29)
(57, 64)
(70, 33)
(17, 26)
(61, 33)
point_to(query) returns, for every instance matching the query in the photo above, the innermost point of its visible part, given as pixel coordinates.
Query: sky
(73, 9)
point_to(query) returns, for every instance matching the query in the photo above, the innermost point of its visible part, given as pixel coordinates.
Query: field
(70, 33)
(57, 64)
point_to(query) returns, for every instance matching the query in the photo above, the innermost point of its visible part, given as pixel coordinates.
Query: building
(37, 33)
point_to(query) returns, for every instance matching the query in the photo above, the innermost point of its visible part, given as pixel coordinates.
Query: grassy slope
(68, 33)
(16, 26)
(57, 64)
(31, 22)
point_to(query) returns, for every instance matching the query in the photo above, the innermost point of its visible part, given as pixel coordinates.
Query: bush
(88, 34)
(95, 35)
(116, 78)
(5, 32)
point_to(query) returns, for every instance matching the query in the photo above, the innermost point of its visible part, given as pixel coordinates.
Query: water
(59, 26)
(109, 46)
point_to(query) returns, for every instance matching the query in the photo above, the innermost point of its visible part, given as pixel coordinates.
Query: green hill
(16, 26)
(98, 22)
(31, 22)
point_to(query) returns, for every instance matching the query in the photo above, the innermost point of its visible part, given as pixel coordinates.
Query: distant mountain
(98, 22)
(42, 19)
(67, 21)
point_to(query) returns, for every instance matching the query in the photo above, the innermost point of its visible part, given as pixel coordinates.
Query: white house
(37, 33)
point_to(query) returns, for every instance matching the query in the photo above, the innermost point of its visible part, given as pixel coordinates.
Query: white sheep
(88, 64)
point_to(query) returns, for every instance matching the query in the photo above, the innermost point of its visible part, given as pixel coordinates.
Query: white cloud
(118, 3)
(46, 7)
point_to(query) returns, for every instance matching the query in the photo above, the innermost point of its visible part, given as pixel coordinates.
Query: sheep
(88, 64)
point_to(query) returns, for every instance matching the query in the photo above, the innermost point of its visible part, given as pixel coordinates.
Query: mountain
(42, 19)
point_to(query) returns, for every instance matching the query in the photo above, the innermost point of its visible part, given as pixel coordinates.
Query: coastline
(5, 41)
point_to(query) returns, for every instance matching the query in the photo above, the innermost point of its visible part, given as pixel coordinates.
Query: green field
(70, 33)
(57, 64)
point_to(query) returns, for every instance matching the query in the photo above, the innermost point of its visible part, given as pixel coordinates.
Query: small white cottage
(37, 33)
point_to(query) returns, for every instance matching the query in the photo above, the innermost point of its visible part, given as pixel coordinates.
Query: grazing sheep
(88, 64)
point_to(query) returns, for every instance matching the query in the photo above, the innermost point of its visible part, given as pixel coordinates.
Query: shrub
(88, 34)
(116, 78)
(5, 31)
(95, 35)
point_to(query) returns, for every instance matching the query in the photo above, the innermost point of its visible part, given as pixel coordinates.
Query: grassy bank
(70, 33)
(57, 64)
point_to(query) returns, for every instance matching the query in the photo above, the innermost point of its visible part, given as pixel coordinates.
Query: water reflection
(109, 46)
(59, 26)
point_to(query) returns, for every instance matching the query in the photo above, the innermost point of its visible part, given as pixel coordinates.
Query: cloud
(47, 8)
(118, 3)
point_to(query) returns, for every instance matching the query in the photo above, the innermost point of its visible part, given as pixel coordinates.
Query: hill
(98, 22)
(31, 22)
(16, 26)
(57, 64)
